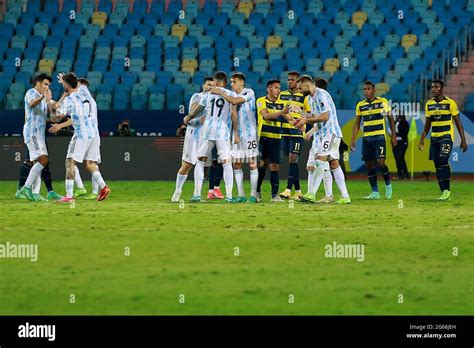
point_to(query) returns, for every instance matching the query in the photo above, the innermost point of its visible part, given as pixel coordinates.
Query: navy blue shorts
(441, 150)
(214, 155)
(291, 145)
(373, 148)
(270, 149)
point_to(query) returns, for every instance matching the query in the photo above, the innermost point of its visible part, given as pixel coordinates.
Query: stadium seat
(178, 30)
(359, 18)
(408, 40)
(272, 42)
(245, 7)
(46, 65)
(104, 101)
(189, 65)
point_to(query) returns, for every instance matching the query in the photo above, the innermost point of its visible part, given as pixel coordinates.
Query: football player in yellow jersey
(372, 111)
(292, 138)
(269, 110)
(440, 112)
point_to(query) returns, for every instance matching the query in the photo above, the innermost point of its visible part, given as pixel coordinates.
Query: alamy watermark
(19, 251)
(346, 251)
(407, 109)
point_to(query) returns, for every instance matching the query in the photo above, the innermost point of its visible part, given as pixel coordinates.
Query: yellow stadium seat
(99, 21)
(101, 15)
(179, 30)
(190, 63)
(48, 63)
(274, 38)
(382, 88)
(410, 37)
(99, 18)
(245, 7)
(272, 42)
(409, 40)
(332, 62)
(331, 69)
(189, 69)
(359, 18)
(246, 4)
(246, 11)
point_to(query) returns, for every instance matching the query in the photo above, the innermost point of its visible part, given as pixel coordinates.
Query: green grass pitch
(190, 250)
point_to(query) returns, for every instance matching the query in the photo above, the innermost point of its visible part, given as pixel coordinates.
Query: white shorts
(326, 146)
(245, 150)
(36, 147)
(190, 148)
(84, 149)
(223, 149)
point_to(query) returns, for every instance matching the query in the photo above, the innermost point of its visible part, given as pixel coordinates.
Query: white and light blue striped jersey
(194, 127)
(320, 103)
(35, 118)
(84, 92)
(79, 108)
(247, 119)
(218, 122)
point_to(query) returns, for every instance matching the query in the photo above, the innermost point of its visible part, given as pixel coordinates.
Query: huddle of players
(226, 120)
(76, 108)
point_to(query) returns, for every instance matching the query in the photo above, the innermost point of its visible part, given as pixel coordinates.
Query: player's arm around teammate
(235, 123)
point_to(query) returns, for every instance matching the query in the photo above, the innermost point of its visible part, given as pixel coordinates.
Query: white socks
(97, 177)
(228, 179)
(95, 187)
(37, 185)
(340, 181)
(34, 173)
(69, 188)
(198, 177)
(311, 177)
(239, 180)
(327, 180)
(78, 179)
(180, 180)
(321, 167)
(253, 182)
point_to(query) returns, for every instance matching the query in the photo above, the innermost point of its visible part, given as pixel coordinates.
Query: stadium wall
(158, 158)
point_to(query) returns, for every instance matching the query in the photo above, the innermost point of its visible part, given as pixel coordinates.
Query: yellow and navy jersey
(372, 114)
(441, 115)
(297, 99)
(269, 128)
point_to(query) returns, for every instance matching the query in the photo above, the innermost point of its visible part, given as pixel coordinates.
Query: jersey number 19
(219, 103)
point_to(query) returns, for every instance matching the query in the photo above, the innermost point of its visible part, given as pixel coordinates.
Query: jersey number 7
(88, 107)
